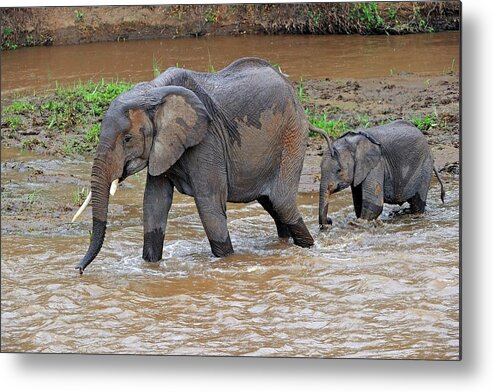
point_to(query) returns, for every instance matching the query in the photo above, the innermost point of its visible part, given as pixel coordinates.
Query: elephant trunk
(100, 188)
(323, 205)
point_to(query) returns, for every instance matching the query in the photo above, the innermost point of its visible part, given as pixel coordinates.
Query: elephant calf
(391, 163)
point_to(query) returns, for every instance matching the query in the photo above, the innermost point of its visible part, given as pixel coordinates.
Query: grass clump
(21, 106)
(75, 106)
(67, 120)
(334, 128)
(33, 197)
(13, 122)
(426, 122)
(32, 143)
(367, 15)
(8, 40)
(92, 134)
(300, 91)
(79, 195)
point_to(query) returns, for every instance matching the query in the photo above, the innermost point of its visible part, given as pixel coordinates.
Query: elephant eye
(127, 138)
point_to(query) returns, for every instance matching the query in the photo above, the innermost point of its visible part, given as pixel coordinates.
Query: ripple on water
(363, 290)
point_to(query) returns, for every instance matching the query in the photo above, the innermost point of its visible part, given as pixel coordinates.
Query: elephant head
(347, 163)
(146, 126)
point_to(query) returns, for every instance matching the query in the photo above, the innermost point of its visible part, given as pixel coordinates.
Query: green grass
(92, 134)
(210, 66)
(367, 15)
(79, 195)
(425, 123)
(334, 128)
(363, 121)
(70, 116)
(156, 70)
(19, 107)
(300, 91)
(30, 143)
(75, 146)
(392, 12)
(450, 70)
(211, 16)
(7, 34)
(33, 197)
(14, 122)
(79, 16)
(75, 106)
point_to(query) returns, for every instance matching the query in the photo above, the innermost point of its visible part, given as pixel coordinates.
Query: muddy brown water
(363, 290)
(300, 56)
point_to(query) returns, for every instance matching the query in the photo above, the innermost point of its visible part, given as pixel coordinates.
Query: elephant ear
(367, 156)
(180, 121)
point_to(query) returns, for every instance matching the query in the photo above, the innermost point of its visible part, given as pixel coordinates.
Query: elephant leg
(158, 197)
(418, 201)
(288, 214)
(372, 194)
(417, 204)
(212, 212)
(282, 229)
(357, 199)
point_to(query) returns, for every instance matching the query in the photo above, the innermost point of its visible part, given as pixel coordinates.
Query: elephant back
(407, 156)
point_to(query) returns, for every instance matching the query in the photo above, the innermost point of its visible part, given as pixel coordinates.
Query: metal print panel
(270, 180)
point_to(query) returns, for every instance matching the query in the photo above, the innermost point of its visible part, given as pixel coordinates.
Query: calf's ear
(366, 157)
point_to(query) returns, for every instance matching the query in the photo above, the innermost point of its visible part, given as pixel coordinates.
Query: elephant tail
(442, 190)
(322, 133)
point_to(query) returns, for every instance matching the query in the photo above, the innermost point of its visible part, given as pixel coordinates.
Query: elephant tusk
(114, 185)
(82, 207)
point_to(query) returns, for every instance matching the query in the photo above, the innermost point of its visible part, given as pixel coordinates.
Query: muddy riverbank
(74, 25)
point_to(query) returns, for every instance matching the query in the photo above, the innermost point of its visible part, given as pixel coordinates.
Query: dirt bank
(73, 25)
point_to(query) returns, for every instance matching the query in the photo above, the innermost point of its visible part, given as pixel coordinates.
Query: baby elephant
(391, 164)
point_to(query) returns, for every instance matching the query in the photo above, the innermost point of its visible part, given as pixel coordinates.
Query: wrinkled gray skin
(237, 135)
(385, 164)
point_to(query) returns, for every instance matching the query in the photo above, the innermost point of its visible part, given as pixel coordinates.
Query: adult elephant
(237, 135)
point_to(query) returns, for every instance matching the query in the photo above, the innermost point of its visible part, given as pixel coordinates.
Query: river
(300, 56)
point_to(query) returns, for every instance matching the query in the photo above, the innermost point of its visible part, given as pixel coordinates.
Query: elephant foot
(153, 245)
(301, 235)
(221, 248)
(326, 226)
(284, 240)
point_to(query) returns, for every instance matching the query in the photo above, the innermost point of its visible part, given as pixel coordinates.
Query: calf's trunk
(323, 205)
